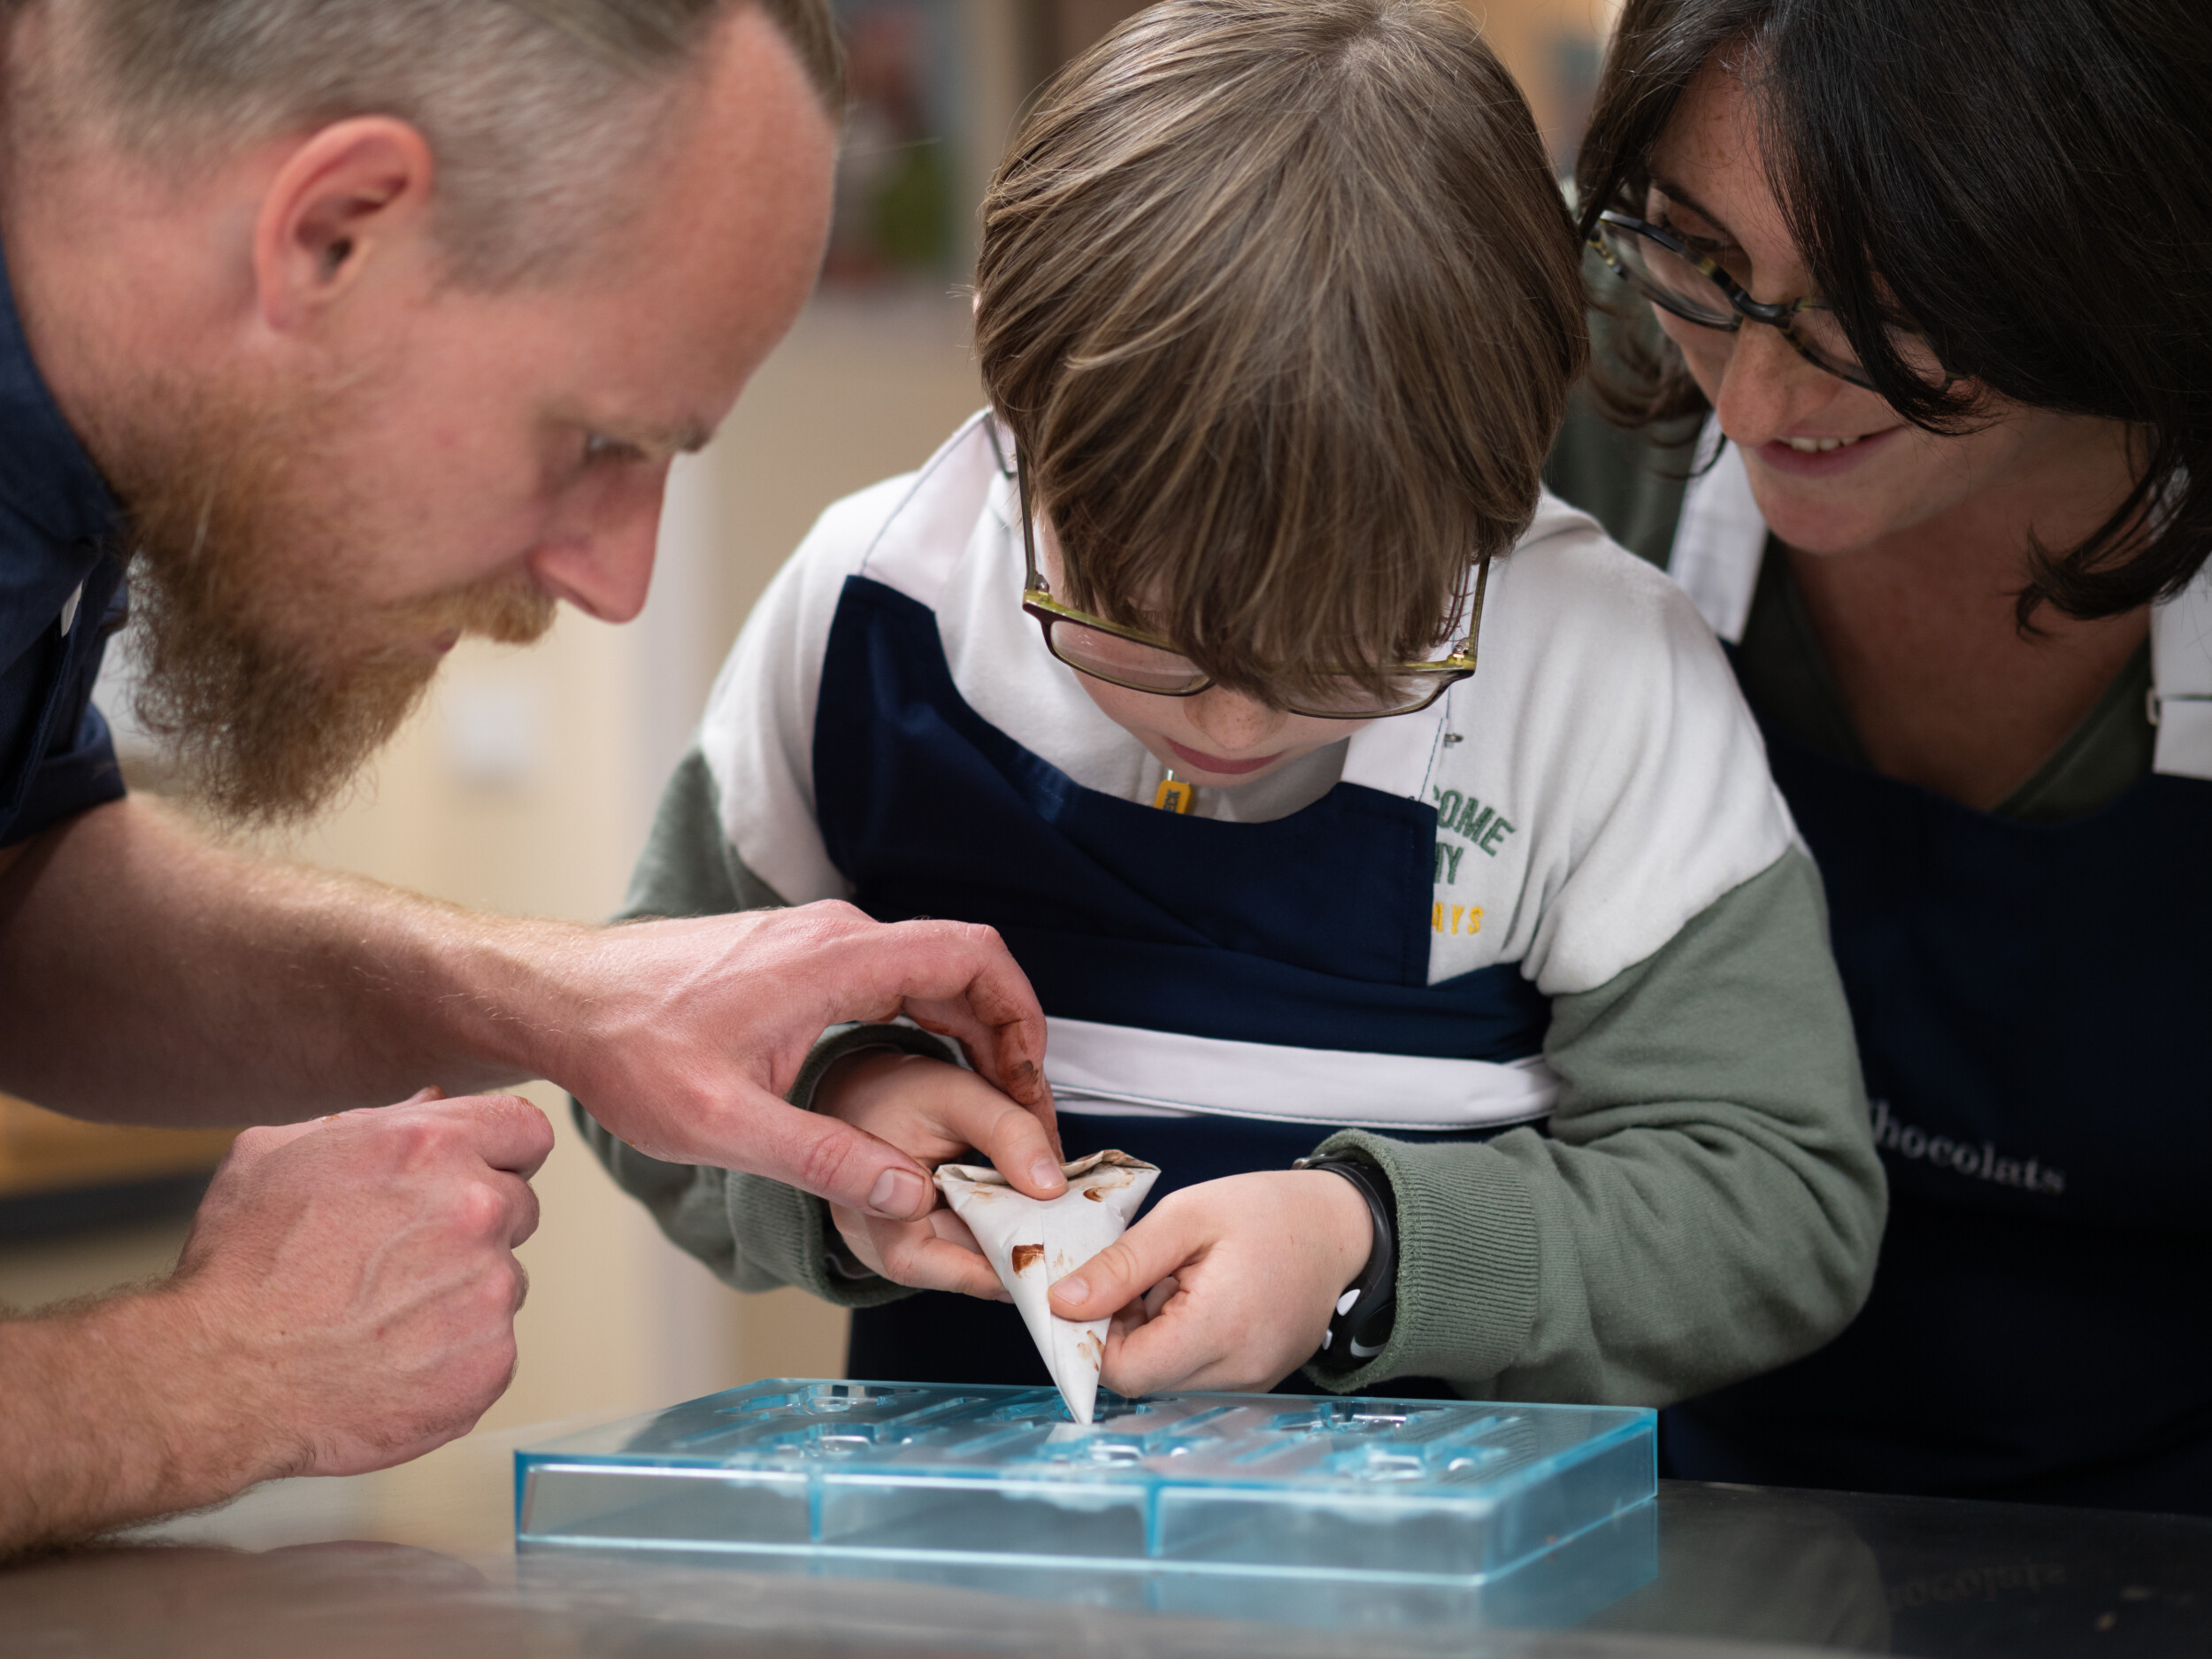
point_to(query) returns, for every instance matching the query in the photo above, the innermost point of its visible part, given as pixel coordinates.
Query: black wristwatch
(1360, 1328)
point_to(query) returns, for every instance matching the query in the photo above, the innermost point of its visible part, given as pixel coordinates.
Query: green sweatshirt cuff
(1466, 1262)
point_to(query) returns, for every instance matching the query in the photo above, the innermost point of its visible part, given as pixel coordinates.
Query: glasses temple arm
(1474, 621)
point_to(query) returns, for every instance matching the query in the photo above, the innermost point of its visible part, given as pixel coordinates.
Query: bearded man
(333, 331)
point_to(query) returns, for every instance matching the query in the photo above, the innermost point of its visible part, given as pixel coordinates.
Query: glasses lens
(1129, 663)
(1820, 333)
(1346, 699)
(1667, 277)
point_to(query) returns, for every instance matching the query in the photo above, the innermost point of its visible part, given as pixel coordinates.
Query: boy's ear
(357, 193)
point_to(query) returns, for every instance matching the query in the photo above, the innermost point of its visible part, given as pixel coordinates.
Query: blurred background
(527, 785)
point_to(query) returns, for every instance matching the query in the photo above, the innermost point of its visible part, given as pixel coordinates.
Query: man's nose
(604, 567)
(1231, 721)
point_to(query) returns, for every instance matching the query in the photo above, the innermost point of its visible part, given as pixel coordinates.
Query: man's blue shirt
(61, 594)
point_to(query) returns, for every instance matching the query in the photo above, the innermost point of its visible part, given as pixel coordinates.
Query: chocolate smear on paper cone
(1032, 1245)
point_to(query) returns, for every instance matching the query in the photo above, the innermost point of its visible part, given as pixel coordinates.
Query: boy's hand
(1227, 1285)
(933, 1112)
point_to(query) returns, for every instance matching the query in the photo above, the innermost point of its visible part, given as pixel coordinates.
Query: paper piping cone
(1034, 1244)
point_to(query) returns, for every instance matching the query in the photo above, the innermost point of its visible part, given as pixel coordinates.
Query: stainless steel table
(418, 1561)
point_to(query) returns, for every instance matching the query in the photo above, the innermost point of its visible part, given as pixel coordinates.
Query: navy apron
(1310, 932)
(2026, 996)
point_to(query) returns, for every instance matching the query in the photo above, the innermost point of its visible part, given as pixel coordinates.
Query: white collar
(1720, 538)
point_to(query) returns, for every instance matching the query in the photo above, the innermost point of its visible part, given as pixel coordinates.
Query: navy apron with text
(2026, 996)
(1312, 932)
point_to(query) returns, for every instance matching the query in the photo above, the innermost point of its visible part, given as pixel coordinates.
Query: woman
(1950, 514)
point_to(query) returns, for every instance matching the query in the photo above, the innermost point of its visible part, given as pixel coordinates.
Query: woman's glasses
(1138, 661)
(1675, 276)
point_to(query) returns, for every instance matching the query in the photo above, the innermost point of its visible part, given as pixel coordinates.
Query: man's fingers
(1152, 1250)
(956, 978)
(506, 1131)
(821, 1154)
(522, 1211)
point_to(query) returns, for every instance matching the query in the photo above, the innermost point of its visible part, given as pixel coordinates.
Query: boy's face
(1219, 738)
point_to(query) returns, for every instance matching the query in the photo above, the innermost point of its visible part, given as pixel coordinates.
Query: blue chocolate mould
(1407, 1492)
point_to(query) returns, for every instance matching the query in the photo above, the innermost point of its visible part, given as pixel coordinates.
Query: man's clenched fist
(356, 1275)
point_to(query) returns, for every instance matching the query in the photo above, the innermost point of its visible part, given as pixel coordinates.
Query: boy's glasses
(1673, 276)
(1138, 661)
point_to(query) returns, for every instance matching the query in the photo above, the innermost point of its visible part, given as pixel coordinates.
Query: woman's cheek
(1704, 350)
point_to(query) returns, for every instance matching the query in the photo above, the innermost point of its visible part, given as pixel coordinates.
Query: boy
(1165, 668)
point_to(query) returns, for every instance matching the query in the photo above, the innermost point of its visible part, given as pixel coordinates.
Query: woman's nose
(1233, 722)
(1767, 389)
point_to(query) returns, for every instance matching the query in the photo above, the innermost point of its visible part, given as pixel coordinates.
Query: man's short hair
(533, 109)
(1281, 303)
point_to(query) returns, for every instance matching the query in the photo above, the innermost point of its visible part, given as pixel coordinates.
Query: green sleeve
(1704, 1204)
(754, 1233)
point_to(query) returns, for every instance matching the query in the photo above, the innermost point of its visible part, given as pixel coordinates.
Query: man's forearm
(111, 1416)
(146, 975)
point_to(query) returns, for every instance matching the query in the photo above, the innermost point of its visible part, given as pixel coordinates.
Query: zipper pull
(1174, 795)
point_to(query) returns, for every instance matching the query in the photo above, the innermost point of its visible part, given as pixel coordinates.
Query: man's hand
(691, 1031)
(1227, 1285)
(149, 977)
(360, 1271)
(345, 1301)
(934, 1112)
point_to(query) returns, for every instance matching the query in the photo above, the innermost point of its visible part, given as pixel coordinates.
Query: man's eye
(601, 450)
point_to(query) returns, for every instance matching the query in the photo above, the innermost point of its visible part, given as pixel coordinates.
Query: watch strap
(1360, 1326)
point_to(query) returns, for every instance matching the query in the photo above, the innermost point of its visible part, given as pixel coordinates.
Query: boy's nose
(1233, 722)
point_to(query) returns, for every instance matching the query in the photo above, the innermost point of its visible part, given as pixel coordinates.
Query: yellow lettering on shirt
(1464, 918)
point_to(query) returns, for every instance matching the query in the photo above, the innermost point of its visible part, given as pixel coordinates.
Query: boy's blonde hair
(1281, 303)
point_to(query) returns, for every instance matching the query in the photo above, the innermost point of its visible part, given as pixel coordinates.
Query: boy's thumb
(1149, 1252)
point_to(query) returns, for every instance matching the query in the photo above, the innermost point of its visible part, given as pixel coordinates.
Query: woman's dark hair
(2029, 180)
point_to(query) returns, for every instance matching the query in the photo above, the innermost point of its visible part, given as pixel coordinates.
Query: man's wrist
(506, 997)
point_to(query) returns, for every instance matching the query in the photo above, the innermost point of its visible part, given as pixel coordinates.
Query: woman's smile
(1822, 457)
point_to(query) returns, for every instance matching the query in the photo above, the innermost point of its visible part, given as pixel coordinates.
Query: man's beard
(268, 677)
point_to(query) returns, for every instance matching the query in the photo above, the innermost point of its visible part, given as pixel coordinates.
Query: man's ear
(354, 191)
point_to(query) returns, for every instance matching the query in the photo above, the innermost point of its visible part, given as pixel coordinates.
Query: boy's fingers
(858, 1232)
(1152, 1250)
(1155, 1357)
(1017, 1143)
(949, 1227)
(916, 1255)
(933, 1263)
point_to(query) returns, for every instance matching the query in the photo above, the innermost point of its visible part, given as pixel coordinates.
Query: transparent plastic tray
(1406, 1492)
